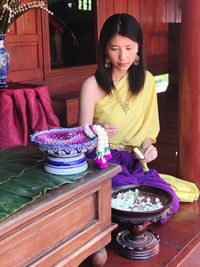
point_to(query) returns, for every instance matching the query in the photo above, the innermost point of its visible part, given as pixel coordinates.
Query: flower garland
(103, 153)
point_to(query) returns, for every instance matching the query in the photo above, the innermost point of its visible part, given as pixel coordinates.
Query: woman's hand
(150, 153)
(110, 128)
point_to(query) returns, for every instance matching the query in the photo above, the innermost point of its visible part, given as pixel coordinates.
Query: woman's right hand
(111, 129)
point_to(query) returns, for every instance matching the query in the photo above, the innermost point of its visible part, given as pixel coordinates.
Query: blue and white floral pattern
(63, 142)
(65, 148)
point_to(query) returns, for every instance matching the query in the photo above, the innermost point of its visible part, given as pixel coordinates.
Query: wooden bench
(66, 107)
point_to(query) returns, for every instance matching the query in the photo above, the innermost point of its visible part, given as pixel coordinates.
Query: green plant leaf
(23, 178)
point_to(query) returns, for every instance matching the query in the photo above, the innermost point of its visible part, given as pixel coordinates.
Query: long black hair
(125, 25)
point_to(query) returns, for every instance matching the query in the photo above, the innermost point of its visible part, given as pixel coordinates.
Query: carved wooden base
(139, 246)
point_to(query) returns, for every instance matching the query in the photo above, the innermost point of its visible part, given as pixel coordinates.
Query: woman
(121, 96)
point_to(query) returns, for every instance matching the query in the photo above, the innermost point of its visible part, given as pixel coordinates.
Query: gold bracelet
(122, 147)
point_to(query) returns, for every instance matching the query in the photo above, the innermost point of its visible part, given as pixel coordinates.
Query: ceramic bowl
(62, 142)
(65, 148)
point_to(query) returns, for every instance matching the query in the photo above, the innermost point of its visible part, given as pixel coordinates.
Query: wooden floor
(179, 244)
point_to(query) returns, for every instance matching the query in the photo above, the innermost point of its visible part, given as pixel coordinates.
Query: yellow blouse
(142, 119)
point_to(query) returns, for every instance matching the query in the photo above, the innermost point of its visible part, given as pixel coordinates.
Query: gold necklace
(124, 105)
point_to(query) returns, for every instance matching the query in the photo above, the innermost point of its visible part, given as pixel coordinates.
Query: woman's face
(121, 52)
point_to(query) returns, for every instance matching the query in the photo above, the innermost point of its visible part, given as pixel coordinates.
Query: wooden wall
(28, 42)
(24, 43)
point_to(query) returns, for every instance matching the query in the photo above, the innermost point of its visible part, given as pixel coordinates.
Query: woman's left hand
(150, 153)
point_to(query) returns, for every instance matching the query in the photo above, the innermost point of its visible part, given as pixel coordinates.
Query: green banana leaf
(22, 178)
(12, 161)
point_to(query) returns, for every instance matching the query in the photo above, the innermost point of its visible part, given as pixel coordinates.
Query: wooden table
(63, 227)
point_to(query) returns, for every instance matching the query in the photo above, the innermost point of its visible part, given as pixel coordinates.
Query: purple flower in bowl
(63, 142)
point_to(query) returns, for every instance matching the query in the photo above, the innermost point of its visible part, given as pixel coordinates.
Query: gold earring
(107, 63)
(137, 60)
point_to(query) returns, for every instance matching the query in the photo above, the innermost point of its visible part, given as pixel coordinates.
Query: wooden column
(189, 102)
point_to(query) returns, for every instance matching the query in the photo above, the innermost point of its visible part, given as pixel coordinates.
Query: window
(162, 82)
(72, 33)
